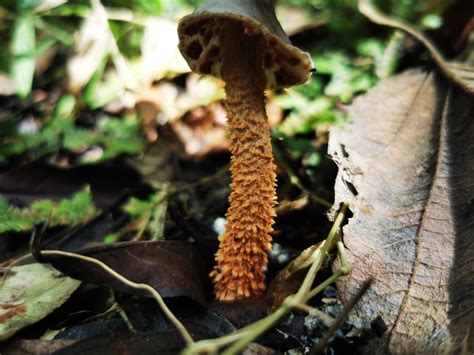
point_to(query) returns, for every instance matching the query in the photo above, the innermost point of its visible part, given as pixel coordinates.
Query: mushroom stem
(242, 255)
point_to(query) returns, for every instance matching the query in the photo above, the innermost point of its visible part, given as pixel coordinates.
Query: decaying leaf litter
(185, 198)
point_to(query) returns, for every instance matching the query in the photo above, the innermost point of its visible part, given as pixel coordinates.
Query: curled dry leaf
(173, 268)
(406, 167)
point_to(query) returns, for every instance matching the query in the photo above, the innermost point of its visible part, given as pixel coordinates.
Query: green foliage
(137, 207)
(346, 78)
(338, 79)
(349, 59)
(111, 136)
(303, 148)
(150, 213)
(112, 238)
(23, 47)
(78, 209)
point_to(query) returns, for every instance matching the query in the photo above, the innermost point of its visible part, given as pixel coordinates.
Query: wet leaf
(406, 168)
(173, 268)
(29, 294)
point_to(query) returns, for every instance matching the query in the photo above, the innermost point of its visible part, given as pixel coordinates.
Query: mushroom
(242, 42)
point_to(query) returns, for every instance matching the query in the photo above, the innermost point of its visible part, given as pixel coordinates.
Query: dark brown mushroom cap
(199, 41)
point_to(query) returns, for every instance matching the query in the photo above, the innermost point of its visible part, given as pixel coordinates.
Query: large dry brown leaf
(406, 167)
(173, 268)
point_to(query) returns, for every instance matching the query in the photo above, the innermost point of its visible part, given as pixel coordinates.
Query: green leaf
(100, 91)
(111, 238)
(55, 31)
(73, 211)
(432, 21)
(65, 106)
(28, 4)
(23, 48)
(136, 207)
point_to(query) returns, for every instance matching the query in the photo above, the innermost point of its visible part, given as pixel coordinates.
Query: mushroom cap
(199, 41)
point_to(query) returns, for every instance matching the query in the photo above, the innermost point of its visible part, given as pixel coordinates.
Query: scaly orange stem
(242, 255)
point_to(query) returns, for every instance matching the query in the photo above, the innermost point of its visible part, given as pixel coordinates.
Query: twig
(326, 318)
(343, 270)
(321, 345)
(157, 224)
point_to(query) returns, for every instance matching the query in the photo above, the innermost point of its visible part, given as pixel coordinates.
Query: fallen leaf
(247, 311)
(195, 116)
(459, 24)
(29, 294)
(256, 349)
(406, 167)
(112, 342)
(173, 268)
(202, 130)
(34, 346)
